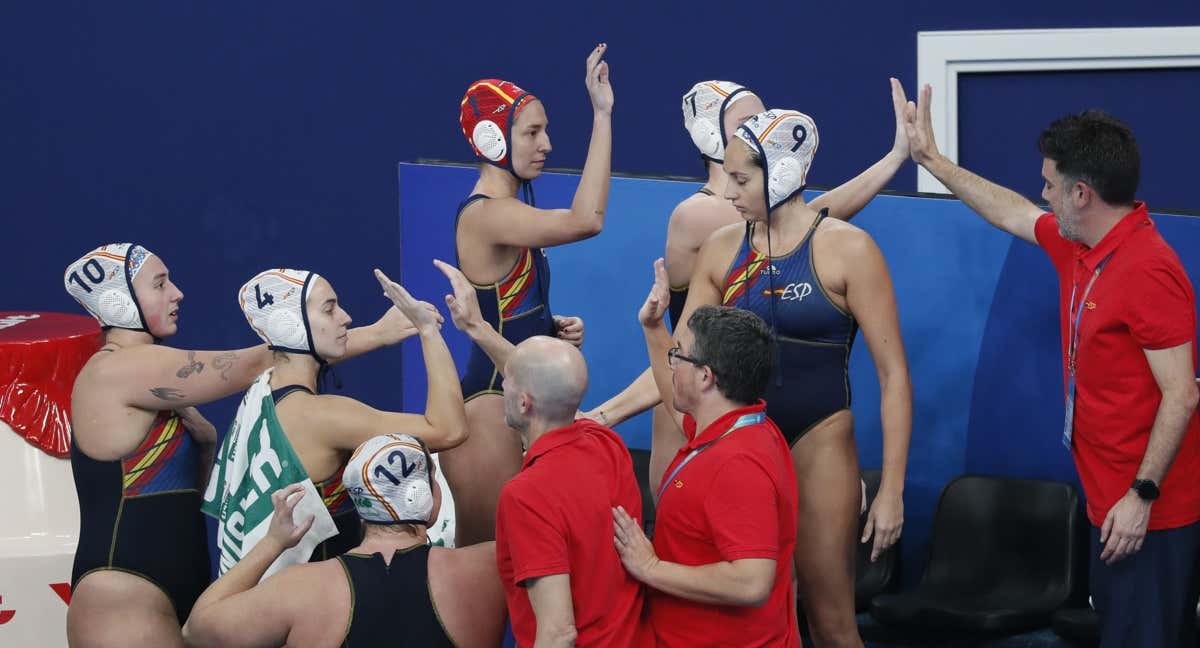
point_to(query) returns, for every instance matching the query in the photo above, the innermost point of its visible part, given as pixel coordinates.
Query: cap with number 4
(274, 304)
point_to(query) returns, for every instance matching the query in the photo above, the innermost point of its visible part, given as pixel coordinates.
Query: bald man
(562, 577)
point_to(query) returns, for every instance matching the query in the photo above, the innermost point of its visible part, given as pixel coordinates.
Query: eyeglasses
(675, 354)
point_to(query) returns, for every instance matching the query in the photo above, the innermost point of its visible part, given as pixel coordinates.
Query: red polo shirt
(1141, 300)
(555, 517)
(736, 499)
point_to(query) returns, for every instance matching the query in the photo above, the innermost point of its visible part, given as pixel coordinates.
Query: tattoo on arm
(193, 366)
(224, 363)
(167, 393)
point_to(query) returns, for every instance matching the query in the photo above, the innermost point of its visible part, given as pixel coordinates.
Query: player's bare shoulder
(723, 243)
(842, 237)
(699, 215)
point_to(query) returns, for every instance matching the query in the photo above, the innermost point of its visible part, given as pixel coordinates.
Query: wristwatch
(1145, 489)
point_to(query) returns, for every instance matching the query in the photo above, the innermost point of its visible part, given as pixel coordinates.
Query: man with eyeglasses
(720, 567)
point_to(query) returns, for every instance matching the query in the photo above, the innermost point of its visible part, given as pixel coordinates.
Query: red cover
(40, 355)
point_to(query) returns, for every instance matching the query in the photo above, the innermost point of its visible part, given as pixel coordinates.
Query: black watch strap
(1146, 489)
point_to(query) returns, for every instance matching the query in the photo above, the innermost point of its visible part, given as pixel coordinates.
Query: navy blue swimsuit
(517, 306)
(812, 378)
(140, 514)
(336, 499)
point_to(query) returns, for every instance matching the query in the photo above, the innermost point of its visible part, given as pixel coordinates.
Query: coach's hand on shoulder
(635, 549)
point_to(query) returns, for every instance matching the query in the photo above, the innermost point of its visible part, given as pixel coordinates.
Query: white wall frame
(943, 55)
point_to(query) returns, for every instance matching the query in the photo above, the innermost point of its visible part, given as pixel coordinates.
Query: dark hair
(756, 159)
(739, 348)
(1098, 149)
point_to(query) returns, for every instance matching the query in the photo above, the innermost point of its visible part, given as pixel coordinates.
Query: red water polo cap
(487, 112)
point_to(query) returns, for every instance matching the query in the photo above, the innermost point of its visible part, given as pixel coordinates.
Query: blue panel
(428, 200)
(1017, 409)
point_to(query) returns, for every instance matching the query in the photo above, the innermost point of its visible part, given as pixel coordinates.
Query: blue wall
(978, 313)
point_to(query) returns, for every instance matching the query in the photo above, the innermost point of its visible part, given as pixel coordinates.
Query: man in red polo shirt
(720, 566)
(1129, 355)
(562, 577)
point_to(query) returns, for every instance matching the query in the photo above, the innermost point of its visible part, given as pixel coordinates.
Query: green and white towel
(255, 460)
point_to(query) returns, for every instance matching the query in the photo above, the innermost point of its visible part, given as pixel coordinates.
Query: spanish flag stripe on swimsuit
(163, 461)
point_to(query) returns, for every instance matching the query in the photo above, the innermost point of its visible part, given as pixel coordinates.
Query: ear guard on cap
(707, 138)
(704, 108)
(489, 141)
(102, 282)
(786, 141)
(274, 303)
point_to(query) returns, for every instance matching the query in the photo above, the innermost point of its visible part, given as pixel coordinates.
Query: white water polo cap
(102, 282)
(785, 141)
(390, 480)
(704, 109)
(274, 304)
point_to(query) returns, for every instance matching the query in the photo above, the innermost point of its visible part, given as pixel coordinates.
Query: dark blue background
(230, 137)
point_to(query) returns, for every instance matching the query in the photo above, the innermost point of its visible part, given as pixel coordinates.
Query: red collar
(719, 426)
(1091, 257)
(558, 437)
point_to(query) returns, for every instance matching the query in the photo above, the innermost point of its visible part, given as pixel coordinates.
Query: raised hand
(899, 105)
(598, 87)
(655, 307)
(463, 304)
(918, 126)
(394, 327)
(421, 315)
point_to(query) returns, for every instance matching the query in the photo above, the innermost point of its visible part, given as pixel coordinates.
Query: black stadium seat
(1004, 555)
(1080, 626)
